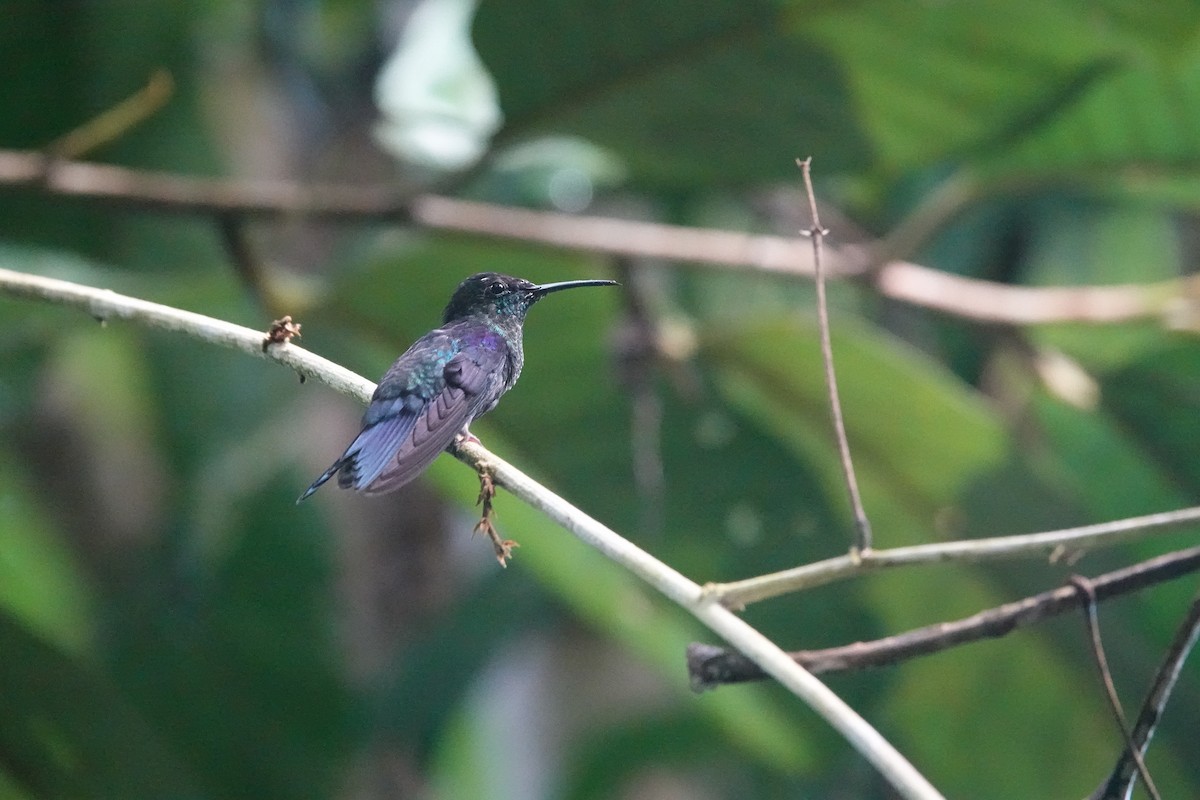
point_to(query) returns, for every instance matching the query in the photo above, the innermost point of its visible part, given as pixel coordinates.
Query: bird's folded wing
(471, 377)
(370, 453)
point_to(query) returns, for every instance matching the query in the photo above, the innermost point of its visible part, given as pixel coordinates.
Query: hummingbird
(448, 378)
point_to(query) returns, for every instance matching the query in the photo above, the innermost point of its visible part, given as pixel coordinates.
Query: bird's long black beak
(547, 288)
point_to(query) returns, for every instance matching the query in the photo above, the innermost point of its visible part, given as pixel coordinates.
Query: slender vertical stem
(1119, 785)
(1087, 594)
(862, 526)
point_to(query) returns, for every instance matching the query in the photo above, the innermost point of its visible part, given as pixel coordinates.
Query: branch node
(281, 332)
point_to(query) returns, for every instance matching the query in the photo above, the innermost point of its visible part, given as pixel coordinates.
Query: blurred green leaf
(686, 93)
(66, 731)
(918, 437)
(40, 584)
(241, 658)
(1134, 124)
(986, 70)
(423, 689)
(619, 605)
(1023, 694)
(617, 755)
(730, 92)
(1157, 399)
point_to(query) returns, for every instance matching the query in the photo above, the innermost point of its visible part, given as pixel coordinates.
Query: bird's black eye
(496, 289)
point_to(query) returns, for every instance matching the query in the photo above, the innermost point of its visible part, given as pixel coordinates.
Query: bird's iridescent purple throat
(448, 378)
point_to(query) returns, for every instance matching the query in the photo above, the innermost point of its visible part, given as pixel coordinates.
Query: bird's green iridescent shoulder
(428, 371)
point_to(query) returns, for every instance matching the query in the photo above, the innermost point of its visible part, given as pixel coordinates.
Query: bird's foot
(503, 547)
(466, 436)
(487, 493)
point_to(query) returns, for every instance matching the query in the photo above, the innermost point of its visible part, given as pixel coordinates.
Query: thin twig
(114, 122)
(710, 666)
(862, 526)
(101, 304)
(819, 573)
(1087, 595)
(1119, 785)
(1168, 302)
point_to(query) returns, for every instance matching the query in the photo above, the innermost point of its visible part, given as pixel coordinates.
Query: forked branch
(711, 666)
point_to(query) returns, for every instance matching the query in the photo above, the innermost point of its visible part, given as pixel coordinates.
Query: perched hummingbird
(445, 380)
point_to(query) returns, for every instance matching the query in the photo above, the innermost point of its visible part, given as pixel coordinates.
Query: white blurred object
(1066, 379)
(438, 102)
(562, 172)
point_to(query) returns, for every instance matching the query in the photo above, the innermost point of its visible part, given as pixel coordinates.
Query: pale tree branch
(1174, 303)
(105, 305)
(819, 573)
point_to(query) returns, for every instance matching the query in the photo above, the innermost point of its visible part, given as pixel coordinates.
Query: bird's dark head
(490, 294)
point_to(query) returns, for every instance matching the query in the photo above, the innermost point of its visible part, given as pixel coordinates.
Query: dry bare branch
(1169, 302)
(711, 666)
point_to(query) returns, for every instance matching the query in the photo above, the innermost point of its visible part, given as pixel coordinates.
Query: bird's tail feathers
(375, 450)
(329, 473)
(367, 456)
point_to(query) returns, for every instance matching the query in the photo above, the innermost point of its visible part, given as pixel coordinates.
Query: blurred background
(172, 625)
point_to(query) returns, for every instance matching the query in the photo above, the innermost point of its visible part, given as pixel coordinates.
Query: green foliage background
(171, 625)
